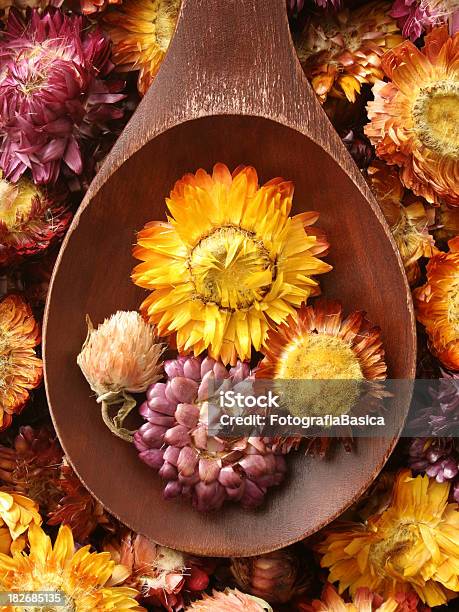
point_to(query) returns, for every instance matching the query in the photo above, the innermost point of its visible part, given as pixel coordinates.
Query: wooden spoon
(231, 90)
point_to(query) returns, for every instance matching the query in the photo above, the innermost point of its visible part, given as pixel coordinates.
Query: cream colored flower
(120, 357)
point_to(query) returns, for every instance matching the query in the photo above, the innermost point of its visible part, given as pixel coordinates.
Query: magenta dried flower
(54, 94)
(415, 17)
(175, 440)
(438, 458)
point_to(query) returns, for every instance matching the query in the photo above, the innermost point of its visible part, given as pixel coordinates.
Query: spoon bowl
(230, 90)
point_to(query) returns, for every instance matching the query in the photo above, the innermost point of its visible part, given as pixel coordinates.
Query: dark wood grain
(230, 90)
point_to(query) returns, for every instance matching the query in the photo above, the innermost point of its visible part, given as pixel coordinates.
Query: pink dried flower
(415, 17)
(175, 440)
(160, 574)
(31, 219)
(54, 95)
(231, 600)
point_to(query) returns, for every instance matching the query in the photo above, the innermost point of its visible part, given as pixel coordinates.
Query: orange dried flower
(414, 118)
(78, 508)
(341, 52)
(20, 369)
(337, 353)
(364, 601)
(231, 600)
(141, 31)
(437, 305)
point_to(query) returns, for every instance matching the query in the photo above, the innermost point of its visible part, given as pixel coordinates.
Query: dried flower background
(72, 72)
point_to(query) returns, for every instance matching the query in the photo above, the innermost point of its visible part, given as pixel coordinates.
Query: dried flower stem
(115, 424)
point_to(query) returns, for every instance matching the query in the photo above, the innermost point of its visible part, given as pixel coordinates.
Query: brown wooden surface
(230, 90)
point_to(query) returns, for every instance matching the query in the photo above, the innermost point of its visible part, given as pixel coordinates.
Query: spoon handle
(233, 55)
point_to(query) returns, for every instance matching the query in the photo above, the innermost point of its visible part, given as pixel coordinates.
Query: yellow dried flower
(230, 262)
(141, 31)
(412, 545)
(340, 52)
(120, 357)
(17, 513)
(83, 577)
(437, 305)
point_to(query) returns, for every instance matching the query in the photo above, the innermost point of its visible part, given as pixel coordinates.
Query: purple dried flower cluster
(54, 94)
(176, 442)
(415, 17)
(438, 456)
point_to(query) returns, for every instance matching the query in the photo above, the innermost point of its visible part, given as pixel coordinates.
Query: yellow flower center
(231, 268)
(436, 117)
(16, 202)
(325, 360)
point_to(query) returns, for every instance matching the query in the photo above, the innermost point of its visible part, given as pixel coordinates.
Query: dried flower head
(415, 17)
(141, 32)
(76, 507)
(438, 458)
(30, 220)
(89, 7)
(160, 574)
(411, 546)
(17, 514)
(276, 577)
(83, 577)
(230, 600)
(120, 357)
(321, 348)
(53, 93)
(414, 116)
(364, 601)
(409, 223)
(341, 52)
(20, 369)
(229, 263)
(32, 466)
(446, 222)
(176, 440)
(437, 305)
